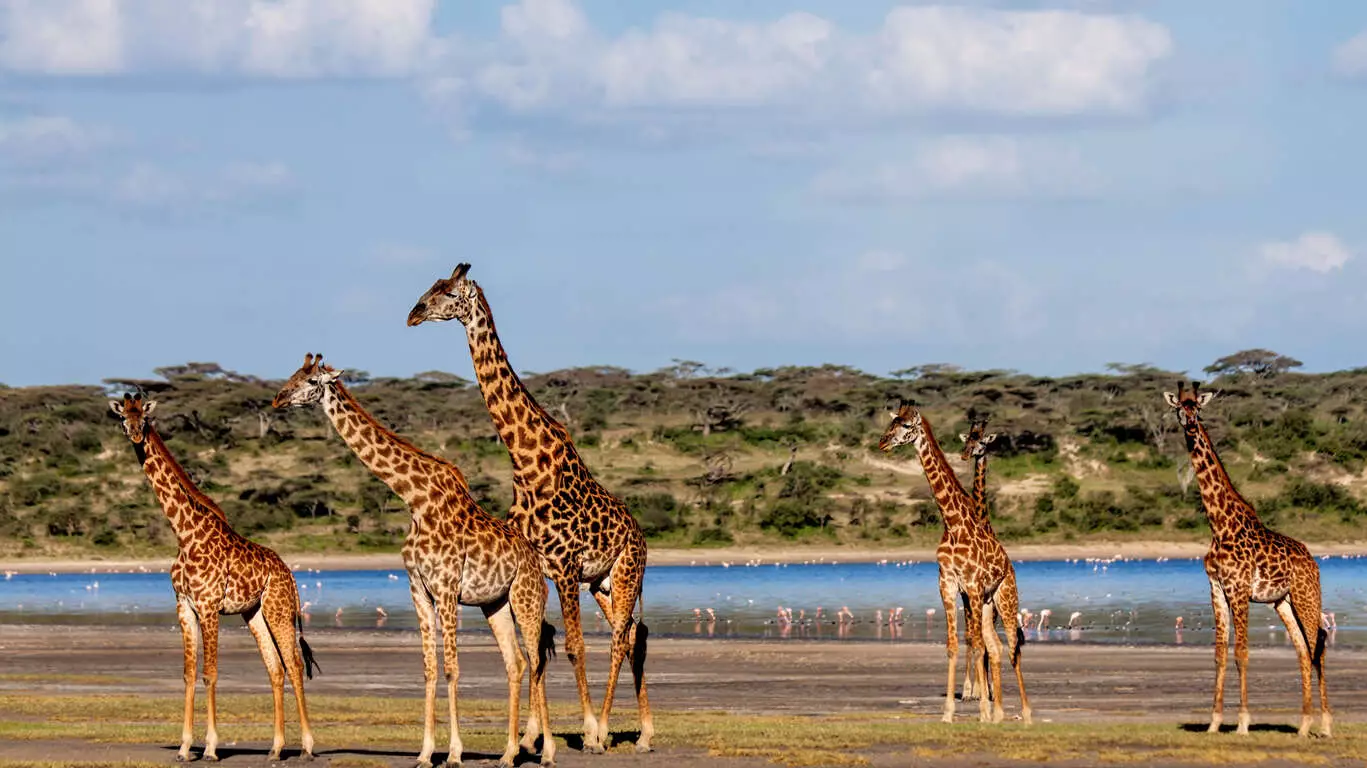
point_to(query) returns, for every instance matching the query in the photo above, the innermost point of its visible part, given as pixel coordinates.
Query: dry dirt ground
(1069, 685)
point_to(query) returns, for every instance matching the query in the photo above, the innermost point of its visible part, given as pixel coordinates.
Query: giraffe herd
(565, 527)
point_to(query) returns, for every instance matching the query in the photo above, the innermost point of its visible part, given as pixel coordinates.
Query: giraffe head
(307, 385)
(975, 442)
(451, 298)
(134, 413)
(906, 427)
(1188, 406)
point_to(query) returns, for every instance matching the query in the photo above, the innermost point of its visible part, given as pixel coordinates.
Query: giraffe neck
(412, 474)
(187, 509)
(980, 484)
(526, 429)
(1226, 509)
(955, 505)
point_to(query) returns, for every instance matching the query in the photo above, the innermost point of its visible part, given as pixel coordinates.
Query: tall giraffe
(972, 563)
(584, 533)
(975, 450)
(455, 553)
(217, 571)
(1249, 562)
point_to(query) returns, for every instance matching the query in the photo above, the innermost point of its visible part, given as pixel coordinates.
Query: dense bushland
(704, 457)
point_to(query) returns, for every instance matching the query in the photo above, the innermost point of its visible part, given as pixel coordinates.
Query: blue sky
(1044, 186)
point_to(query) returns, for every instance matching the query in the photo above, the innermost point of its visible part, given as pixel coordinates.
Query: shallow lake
(1119, 601)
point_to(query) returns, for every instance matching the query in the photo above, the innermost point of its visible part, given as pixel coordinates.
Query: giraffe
(584, 533)
(217, 571)
(972, 564)
(1249, 562)
(455, 553)
(975, 450)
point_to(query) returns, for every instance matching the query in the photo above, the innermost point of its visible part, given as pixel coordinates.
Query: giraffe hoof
(594, 749)
(182, 758)
(424, 764)
(210, 758)
(306, 756)
(273, 757)
(644, 748)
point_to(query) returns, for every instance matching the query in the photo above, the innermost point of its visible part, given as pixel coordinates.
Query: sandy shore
(1133, 550)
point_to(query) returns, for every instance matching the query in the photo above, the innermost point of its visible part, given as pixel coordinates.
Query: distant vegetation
(704, 457)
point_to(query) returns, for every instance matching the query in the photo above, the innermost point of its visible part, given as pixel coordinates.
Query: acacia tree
(1262, 363)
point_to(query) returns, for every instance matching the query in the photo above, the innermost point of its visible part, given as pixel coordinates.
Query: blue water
(1122, 601)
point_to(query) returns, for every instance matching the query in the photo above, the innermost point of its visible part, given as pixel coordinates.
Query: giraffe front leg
(969, 692)
(951, 647)
(1220, 613)
(427, 617)
(568, 593)
(190, 638)
(1239, 609)
(448, 607)
(208, 619)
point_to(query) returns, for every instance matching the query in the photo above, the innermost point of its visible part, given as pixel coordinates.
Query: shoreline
(1129, 550)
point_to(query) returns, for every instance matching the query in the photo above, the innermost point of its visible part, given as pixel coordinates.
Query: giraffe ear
(988, 438)
(1203, 398)
(148, 406)
(1172, 400)
(330, 375)
(963, 437)
(893, 414)
(117, 407)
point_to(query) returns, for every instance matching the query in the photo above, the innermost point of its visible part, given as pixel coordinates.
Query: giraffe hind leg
(281, 609)
(275, 670)
(627, 577)
(1306, 607)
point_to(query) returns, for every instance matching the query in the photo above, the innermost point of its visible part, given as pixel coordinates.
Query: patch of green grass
(843, 740)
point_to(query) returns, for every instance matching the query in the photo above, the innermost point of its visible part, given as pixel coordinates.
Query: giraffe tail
(310, 663)
(1317, 656)
(546, 648)
(1020, 643)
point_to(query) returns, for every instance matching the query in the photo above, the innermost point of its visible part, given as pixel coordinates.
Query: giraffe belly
(1268, 590)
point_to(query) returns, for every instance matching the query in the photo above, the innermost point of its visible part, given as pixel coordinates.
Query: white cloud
(266, 38)
(920, 60)
(1314, 251)
(1350, 57)
(549, 60)
(45, 139)
(964, 166)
